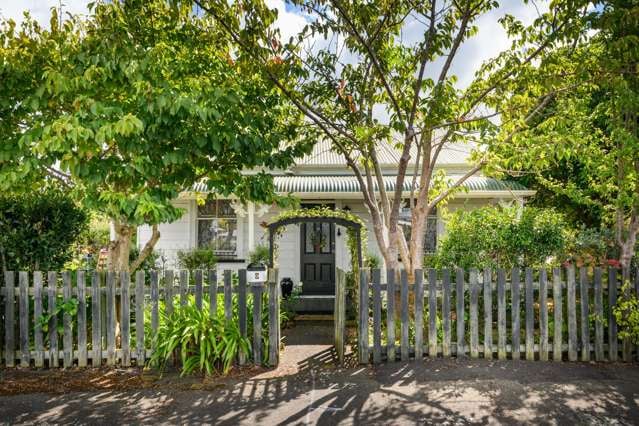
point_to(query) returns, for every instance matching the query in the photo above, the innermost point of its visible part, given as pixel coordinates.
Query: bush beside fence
(87, 302)
(511, 314)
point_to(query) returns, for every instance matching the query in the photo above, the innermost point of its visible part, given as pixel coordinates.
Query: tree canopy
(364, 86)
(131, 106)
(592, 124)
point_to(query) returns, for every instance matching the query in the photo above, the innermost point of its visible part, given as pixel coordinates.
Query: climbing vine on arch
(325, 212)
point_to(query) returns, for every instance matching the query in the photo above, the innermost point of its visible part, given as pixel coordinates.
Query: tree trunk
(627, 250)
(120, 247)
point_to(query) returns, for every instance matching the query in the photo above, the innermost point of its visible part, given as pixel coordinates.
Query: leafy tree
(38, 230)
(132, 106)
(503, 237)
(351, 65)
(594, 124)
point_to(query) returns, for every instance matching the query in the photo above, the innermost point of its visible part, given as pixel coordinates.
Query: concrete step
(315, 303)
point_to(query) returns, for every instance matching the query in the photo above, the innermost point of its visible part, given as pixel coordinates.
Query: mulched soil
(23, 381)
(301, 354)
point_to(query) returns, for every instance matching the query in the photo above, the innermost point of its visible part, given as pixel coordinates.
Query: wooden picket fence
(468, 315)
(91, 339)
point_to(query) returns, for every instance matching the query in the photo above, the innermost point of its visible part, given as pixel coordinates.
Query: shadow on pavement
(439, 390)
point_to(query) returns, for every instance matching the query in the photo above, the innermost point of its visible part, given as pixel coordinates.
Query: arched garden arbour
(354, 225)
(282, 222)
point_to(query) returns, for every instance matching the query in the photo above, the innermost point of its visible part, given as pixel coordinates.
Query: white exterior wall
(174, 236)
(182, 235)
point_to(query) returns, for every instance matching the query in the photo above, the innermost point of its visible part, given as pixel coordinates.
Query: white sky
(490, 40)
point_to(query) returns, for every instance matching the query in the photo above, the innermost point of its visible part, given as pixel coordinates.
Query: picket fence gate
(437, 316)
(26, 301)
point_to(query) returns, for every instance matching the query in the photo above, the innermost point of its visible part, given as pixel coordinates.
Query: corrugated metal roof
(322, 155)
(345, 184)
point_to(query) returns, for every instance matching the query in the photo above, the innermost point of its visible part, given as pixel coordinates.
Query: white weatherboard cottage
(309, 253)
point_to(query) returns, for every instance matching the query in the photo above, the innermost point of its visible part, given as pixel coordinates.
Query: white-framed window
(430, 237)
(217, 227)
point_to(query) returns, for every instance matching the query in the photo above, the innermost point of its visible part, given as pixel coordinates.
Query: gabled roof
(323, 156)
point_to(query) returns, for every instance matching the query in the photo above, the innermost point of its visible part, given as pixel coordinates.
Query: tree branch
(148, 248)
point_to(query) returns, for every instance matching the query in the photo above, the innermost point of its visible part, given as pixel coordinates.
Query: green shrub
(260, 255)
(38, 231)
(371, 260)
(203, 343)
(199, 258)
(503, 237)
(626, 313)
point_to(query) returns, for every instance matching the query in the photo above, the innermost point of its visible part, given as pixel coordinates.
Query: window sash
(217, 228)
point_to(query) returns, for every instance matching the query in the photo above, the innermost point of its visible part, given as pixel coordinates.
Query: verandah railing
(90, 333)
(511, 314)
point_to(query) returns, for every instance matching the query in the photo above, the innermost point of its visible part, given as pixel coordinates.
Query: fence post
(9, 313)
(501, 313)
(459, 312)
(125, 318)
(198, 289)
(257, 324)
(626, 343)
(241, 307)
(363, 317)
(110, 317)
(572, 313)
(543, 315)
(405, 354)
(139, 317)
(446, 290)
(515, 300)
(228, 296)
(274, 319)
(390, 315)
(530, 316)
(488, 314)
(37, 314)
(584, 302)
(155, 315)
(599, 348)
(613, 346)
(213, 292)
(557, 314)
(52, 285)
(23, 304)
(432, 313)
(82, 319)
(184, 286)
(96, 319)
(340, 315)
(419, 314)
(474, 313)
(168, 291)
(377, 316)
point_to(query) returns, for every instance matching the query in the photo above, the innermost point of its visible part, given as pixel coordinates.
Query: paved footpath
(434, 391)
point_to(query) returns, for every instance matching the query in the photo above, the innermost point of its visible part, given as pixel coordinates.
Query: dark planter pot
(287, 287)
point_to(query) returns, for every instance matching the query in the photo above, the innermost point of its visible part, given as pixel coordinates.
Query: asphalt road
(434, 391)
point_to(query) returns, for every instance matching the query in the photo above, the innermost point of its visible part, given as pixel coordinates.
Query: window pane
(326, 237)
(205, 233)
(226, 236)
(309, 238)
(219, 235)
(224, 209)
(208, 209)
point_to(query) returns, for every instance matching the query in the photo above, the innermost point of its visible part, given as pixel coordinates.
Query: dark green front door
(318, 258)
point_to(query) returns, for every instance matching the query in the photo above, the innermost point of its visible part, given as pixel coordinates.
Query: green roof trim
(349, 184)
